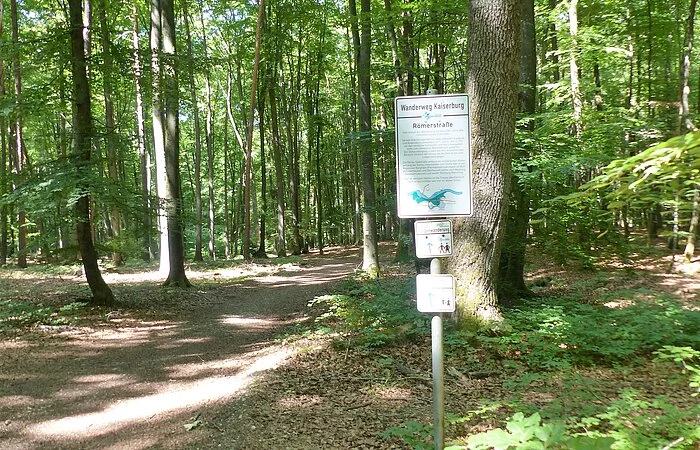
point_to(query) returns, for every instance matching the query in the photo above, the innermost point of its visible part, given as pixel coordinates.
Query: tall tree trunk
(3, 154)
(511, 281)
(227, 223)
(197, 140)
(249, 134)
(173, 196)
(684, 123)
(19, 142)
(279, 171)
(209, 140)
(158, 136)
(370, 260)
(494, 47)
(261, 252)
(110, 131)
(82, 142)
(144, 156)
(576, 100)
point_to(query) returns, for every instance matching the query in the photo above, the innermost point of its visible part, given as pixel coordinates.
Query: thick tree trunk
(144, 156)
(511, 282)
(494, 48)
(82, 141)
(173, 196)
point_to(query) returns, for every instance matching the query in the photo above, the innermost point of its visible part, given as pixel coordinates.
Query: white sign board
(433, 156)
(433, 238)
(435, 293)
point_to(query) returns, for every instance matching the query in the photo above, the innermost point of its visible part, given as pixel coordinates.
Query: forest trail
(135, 384)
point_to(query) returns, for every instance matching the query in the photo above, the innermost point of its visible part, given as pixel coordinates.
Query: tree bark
(511, 281)
(494, 48)
(279, 171)
(370, 261)
(144, 156)
(173, 196)
(82, 142)
(576, 100)
(110, 128)
(19, 142)
(197, 140)
(249, 134)
(3, 154)
(158, 134)
(685, 124)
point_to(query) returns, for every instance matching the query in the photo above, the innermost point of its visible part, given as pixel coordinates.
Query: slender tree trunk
(370, 261)
(261, 252)
(494, 47)
(82, 142)
(249, 134)
(576, 100)
(279, 171)
(19, 142)
(110, 128)
(209, 141)
(144, 156)
(173, 196)
(3, 154)
(158, 136)
(689, 251)
(227, 223)
(685, 124)
(197, 140)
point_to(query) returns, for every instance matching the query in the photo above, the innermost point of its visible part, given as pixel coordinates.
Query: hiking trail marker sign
(433, 238)
(433, 156)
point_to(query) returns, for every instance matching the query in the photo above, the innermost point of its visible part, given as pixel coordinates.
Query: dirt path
(135, 384)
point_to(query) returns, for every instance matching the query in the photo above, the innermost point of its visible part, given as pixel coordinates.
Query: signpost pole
(438, 375)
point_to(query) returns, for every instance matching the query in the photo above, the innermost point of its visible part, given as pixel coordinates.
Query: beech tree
(82, 143)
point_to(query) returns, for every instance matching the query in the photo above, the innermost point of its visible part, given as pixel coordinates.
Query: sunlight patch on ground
(121, 337)
(257, 323)
(299, 401)
(177, 397)
(88, 384)
(16, 400)
(393, 393)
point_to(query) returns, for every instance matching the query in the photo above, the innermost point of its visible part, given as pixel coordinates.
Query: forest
(182, 137)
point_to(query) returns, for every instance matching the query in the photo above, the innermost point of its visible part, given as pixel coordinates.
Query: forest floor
(208, 367)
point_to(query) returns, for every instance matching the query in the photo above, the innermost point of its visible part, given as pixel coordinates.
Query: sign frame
(431, 234)
(429, 284)
(433, 156)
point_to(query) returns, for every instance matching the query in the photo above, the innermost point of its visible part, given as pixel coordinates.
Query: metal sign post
(433, 172)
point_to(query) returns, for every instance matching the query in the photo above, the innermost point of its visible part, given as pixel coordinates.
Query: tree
(82, 142)
(494, 47)
(173, 196)
(18, 127)
(370, 261)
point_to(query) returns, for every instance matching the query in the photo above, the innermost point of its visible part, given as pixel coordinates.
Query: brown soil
(140, 381)
(204, 369)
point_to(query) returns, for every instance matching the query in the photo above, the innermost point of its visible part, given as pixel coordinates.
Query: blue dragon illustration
(436, 200)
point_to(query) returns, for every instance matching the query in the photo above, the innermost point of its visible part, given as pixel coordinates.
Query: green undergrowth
(596, 367)
(19, 314)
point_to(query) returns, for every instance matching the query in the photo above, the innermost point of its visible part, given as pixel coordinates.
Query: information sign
(435, 293)
(433, 238)
(433, 156)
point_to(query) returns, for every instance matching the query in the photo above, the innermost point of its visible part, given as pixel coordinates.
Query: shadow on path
(137, 384)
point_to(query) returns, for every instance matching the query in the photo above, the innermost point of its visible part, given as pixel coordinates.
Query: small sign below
(435, 293)
(433, 238)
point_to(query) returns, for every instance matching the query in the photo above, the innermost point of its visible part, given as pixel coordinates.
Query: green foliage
(529, 433)
(557, 333)
(414, 434)
(688, 357)
(16, 314)
(372, 313)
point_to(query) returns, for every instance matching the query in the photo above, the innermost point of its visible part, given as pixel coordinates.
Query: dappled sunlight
(89, 384)
(15, 401)
(174, 398)
(257, 323)
(121, 337)
(394, 393)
